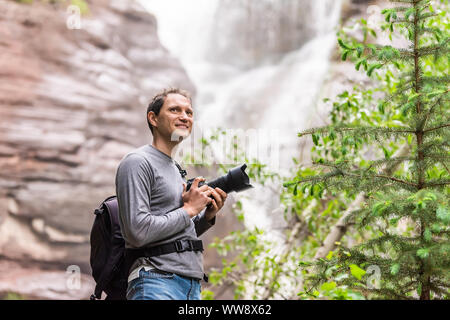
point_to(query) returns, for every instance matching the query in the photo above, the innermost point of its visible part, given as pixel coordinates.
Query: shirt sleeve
(133, 188)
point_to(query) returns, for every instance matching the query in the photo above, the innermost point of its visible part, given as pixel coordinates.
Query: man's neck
(164, 146)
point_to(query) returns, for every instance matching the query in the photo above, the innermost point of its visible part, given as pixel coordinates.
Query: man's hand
(196, 198)
(219, 199)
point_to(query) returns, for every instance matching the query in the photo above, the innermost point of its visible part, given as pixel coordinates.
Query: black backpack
(107, 257)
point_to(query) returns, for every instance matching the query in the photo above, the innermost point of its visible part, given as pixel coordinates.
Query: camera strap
(182, 171)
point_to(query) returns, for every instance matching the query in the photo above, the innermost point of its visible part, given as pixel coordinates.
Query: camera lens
(235, 180)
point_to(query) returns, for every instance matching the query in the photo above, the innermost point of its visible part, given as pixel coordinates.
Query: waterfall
(256, 64)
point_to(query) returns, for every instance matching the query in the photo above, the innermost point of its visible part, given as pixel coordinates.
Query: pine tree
(414, 264)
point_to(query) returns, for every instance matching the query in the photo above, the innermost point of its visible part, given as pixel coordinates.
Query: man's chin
(179, 135)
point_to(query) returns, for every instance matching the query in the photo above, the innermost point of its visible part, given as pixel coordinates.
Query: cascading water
(256, 64)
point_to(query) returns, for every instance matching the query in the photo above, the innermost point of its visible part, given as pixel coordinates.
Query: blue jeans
(161, 285)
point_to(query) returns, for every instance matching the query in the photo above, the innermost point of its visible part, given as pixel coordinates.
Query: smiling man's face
(175, 118)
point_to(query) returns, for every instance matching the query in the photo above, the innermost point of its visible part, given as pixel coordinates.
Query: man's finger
(204, 187)
(217, 197)
(197, 181)
(222, 193)
(214, 205)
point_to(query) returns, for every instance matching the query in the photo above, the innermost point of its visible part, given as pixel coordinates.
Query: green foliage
(401, 229)
(13, 296)
(413, 262)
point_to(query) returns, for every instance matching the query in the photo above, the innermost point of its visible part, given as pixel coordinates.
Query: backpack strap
(176, 246)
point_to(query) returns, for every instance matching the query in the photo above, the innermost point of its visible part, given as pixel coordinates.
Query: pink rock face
(72, 104)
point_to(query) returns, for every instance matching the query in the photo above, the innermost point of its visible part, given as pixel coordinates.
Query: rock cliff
(72, 103)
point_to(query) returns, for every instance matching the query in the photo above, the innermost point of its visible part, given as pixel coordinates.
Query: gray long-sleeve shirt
(149, 192)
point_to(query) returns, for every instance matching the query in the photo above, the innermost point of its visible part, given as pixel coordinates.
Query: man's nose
(184, 117)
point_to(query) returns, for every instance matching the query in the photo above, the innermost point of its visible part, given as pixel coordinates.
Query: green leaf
(413, 96)
(332, 135)
(427, 234)
(435, 93)
(386, 152)
(356, 271)
(388, 17)
(344, 55)
(327, 286)
(329, 255)
(373, 67)
(378, 208)
(359, 50)
(372, 47)
(405, 109)
(423, 253)
(358, 64)
(343, 45)
(443, 214)
(436, 228)
(304, 264)
(315, 139)
(408, 13)
(410, 137)
(395, 268)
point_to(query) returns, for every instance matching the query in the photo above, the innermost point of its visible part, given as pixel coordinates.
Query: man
(155, 210)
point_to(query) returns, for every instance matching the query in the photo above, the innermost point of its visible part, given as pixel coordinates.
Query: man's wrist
(209, 216)
(211, 220)
(189, 211)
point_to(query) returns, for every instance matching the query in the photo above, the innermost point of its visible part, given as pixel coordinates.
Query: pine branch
(426, 16)
(389, 161)
(443, 163)
(430, 111)
(430, 30)
(441, 79)
(401, 90)
(365, 130)
(408, 183)
(432, 49)
(338, 230)
(437, 145)
(445, 125)
(442, 182)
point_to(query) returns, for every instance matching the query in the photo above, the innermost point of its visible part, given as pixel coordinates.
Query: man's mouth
(181, 126)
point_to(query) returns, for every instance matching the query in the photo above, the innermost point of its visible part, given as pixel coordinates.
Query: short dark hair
(158, 100)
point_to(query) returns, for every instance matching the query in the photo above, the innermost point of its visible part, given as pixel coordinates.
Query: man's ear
(151, 116)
